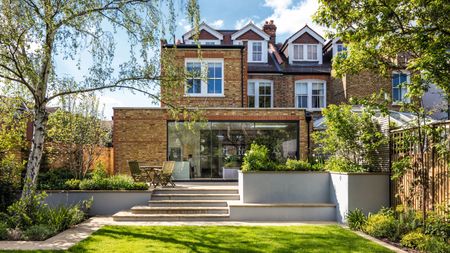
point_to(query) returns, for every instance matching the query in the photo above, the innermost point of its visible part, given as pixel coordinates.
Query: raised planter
(105, 202)
(366, 191)
(230, 172)
(284, 187)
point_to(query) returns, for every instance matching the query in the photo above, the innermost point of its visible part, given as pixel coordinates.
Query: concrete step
(129, 216)
(157, 196)
(195, 191)
(187, 203)
(178, 210)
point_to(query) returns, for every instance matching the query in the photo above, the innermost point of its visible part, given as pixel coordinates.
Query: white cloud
(217, 24)
(183, 23)
(289, 17)
(242, 22)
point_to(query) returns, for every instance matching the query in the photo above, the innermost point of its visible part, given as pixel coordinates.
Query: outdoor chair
(166, 174)
(136, 172)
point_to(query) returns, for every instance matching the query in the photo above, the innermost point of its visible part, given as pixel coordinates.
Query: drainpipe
(308, 121)
(242, 77)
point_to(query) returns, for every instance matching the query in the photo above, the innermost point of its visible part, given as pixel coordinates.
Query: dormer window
(256, 51)
(302, 50)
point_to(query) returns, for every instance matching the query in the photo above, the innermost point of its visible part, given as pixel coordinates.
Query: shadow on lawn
(226, 239)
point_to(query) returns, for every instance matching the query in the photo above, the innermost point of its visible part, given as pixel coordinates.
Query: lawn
(329, 238)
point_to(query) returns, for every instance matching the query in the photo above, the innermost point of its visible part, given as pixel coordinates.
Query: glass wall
(209, 147)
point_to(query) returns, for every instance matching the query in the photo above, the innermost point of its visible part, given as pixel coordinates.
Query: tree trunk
(37, 148)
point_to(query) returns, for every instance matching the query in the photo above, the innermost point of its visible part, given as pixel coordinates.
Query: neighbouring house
(253, 89)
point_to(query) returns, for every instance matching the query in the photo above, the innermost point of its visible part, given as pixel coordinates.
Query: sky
(289, 16)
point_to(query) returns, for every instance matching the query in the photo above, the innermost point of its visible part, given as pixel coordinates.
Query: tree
(76, 133)
(34, 34)
(353, 136)
(389, 35)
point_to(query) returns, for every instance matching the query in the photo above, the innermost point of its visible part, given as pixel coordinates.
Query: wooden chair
(136, 172)
(166, 173)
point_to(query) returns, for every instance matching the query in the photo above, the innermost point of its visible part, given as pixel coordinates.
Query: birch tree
(34, 34)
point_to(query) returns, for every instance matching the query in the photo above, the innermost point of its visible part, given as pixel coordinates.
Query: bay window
(206, 77)
(310, 94)
(259, 94)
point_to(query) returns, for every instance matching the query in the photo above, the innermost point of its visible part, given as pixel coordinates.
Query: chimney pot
(271, 29)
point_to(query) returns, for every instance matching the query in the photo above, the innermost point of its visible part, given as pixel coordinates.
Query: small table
(153, 173)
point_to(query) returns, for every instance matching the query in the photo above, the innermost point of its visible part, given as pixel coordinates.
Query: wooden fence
(407, 190)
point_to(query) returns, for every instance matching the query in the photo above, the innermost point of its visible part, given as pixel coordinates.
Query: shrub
(356, 219)
(54, 179)
(15, 234)
(94, 184)
(3, 231)
(382, 226)
(414, 240)
(298, 165)
(39, 232)
(72, 184)
(25, 212)
(435, 245)
(340, 164)
(256, 158)
(436, 225)
(140, 186)
(117, 182)
(99, 172)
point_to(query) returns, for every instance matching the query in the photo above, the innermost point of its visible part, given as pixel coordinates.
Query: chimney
(271, 29)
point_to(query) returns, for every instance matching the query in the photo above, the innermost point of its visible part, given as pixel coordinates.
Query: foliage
(339, 164)
(437, 225)
(232, 161)
(116, 182)
(414, 240)
(256, 158)
(400, 167)
(77, 134)
(3, 231)
(354, 137)
(298, 165)
(394, 35)
(38, 232)
(356, 219)
(54, 179)
(381, 225)
(436, 245)
(72, 184)
(26, 212)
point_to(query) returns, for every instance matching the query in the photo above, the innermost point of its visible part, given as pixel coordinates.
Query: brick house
(255, 90)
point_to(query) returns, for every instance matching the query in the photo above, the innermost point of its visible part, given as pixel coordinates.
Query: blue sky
(288, 15)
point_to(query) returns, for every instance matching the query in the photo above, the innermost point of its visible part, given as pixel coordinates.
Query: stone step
(195, 191)
(187, 203)
(129, 216)
(179, 210)
(157, 196)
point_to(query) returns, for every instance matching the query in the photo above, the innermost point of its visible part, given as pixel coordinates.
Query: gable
(306, 38)
(250, 35)
(250, 27)
(204, 35)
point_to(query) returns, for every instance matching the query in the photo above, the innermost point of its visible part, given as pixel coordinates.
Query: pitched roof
(203, 26)
(305, 29)
(248, 27)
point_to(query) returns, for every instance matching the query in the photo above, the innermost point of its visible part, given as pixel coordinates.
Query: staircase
(184, 204)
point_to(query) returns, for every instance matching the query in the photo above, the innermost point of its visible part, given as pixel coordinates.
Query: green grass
(331, 238)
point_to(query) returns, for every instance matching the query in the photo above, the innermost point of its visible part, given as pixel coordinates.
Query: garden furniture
(136, 171)
(166, 173)
(153, 173)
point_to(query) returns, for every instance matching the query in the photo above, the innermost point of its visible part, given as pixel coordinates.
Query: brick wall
(284, 87)
(141, 134)
(233, 79)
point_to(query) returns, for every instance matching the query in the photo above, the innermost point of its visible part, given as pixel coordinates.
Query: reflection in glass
(217, 145)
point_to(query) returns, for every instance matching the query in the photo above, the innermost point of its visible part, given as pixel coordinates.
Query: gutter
(308, 121)
(242, 76)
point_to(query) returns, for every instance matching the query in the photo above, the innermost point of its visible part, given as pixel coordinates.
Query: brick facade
(141, 134)
(234, 79)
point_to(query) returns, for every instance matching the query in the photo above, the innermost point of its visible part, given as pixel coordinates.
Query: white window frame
(309, 88)
(408, 81)
(264, 46)
(203, 42)
(305, 53)
(204, 77)
(256, 95)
